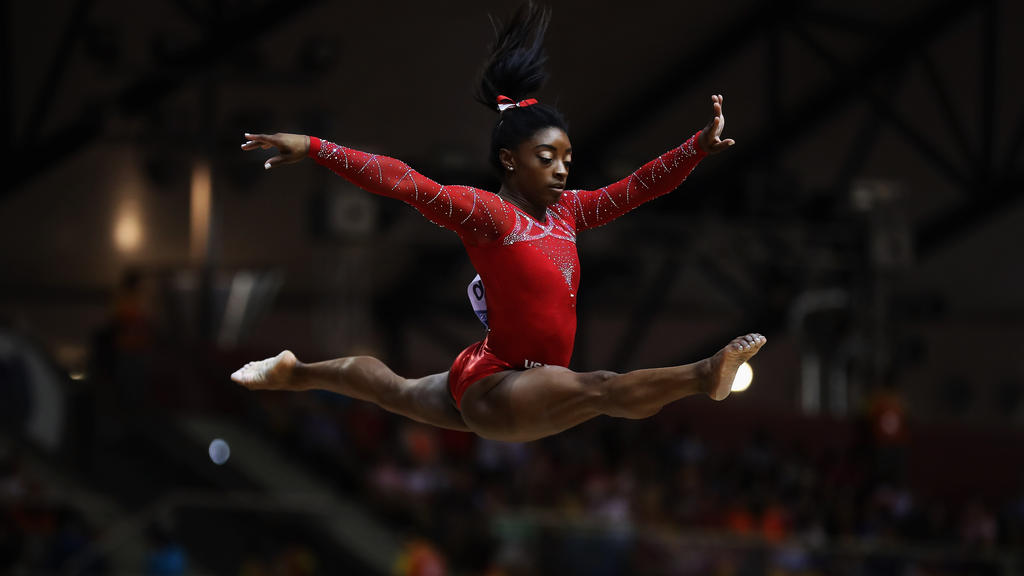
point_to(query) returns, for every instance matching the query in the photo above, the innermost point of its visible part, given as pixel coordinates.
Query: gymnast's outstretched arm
(593, 208)
(476, 215)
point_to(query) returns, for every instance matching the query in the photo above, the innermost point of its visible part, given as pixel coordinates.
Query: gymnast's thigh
(521, 405)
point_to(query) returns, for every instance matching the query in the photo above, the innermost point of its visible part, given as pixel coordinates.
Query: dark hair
(515, 68)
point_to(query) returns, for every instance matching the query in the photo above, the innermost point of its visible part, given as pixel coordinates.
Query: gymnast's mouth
(557, 186)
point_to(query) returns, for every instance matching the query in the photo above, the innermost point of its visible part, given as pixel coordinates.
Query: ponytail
(515, 69)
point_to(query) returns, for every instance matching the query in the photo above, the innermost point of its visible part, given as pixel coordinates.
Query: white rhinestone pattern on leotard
(545, 239)
(464, 209)
(478, 215)
(594, 208)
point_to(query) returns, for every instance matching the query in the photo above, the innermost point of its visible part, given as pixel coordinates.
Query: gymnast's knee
(600, 385)
(619, 399)
(598, 380)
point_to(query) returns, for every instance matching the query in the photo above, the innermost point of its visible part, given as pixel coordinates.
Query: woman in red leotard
(514, 385)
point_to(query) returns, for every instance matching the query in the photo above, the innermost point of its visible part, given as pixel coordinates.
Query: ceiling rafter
(31, 159)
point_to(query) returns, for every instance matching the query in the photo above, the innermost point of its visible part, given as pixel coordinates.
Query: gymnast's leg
(519, 406)
(424, 399)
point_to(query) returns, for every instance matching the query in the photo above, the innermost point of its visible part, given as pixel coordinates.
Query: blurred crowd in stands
(43, 532)
(650, 497)
(39, 531)
(659, 496)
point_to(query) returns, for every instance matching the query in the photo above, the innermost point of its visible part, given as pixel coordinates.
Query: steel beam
(30, 160)
(807, 115)
(44, 98)
(645, 104)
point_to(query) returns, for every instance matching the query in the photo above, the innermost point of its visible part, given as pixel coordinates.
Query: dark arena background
(868, 222)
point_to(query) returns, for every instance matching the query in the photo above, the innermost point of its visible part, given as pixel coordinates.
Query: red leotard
(530, 268)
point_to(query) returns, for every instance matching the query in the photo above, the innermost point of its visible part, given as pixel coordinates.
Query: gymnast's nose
(561, 170)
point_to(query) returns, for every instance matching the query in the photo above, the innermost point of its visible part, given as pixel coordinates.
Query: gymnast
(514, 385)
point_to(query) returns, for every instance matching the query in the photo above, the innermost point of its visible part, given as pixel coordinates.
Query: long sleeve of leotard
(592, 208)
(476, 215)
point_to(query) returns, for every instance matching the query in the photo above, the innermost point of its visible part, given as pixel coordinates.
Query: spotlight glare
(219, 451)
(128, 233)
(744, 376)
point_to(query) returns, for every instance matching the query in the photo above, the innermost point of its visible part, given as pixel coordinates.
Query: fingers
(716, 126)
(264, 142)
(718, 118)
(720, 145)
(273, 162)
(253, 145)
(253, 138)
(261, 141)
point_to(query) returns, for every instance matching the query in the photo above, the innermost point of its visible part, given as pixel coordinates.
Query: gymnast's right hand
(291, 147)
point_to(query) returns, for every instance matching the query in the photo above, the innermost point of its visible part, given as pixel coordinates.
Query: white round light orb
(219, 451)
(744, 376)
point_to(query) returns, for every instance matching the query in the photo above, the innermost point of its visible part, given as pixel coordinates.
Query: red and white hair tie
(504, 103)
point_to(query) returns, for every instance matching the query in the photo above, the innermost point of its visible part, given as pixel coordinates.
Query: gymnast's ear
(508, 160)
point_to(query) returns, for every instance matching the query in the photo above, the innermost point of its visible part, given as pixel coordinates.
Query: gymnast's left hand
(291, 148)
(710, 139)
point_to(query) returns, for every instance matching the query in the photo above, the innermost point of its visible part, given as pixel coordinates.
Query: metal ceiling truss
(991, 180)
(33, 153)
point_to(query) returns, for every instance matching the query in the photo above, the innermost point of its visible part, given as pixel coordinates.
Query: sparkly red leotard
(530, 268)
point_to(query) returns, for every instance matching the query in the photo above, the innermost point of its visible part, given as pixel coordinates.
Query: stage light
(201, 207)
(219, 451)
(744, 376)
(128, 228)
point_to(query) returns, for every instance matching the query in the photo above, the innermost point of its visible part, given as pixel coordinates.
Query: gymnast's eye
(545, 160)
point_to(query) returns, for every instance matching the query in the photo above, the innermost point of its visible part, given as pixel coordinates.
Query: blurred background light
(220, 451)
(202, 190)
(128, 231)
(744, 376)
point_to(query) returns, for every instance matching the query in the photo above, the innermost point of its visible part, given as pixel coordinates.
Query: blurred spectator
(296, 560)
(166, 557)
(775, 520)
(122, 350)
(38, 534)
(888, 420)
(290, 560)
(979, 528)
(420, 558)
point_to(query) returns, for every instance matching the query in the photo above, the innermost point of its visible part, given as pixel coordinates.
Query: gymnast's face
(539, 166)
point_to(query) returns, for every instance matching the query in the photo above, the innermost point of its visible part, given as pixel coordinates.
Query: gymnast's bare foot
(726, 361)
(270, 374)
